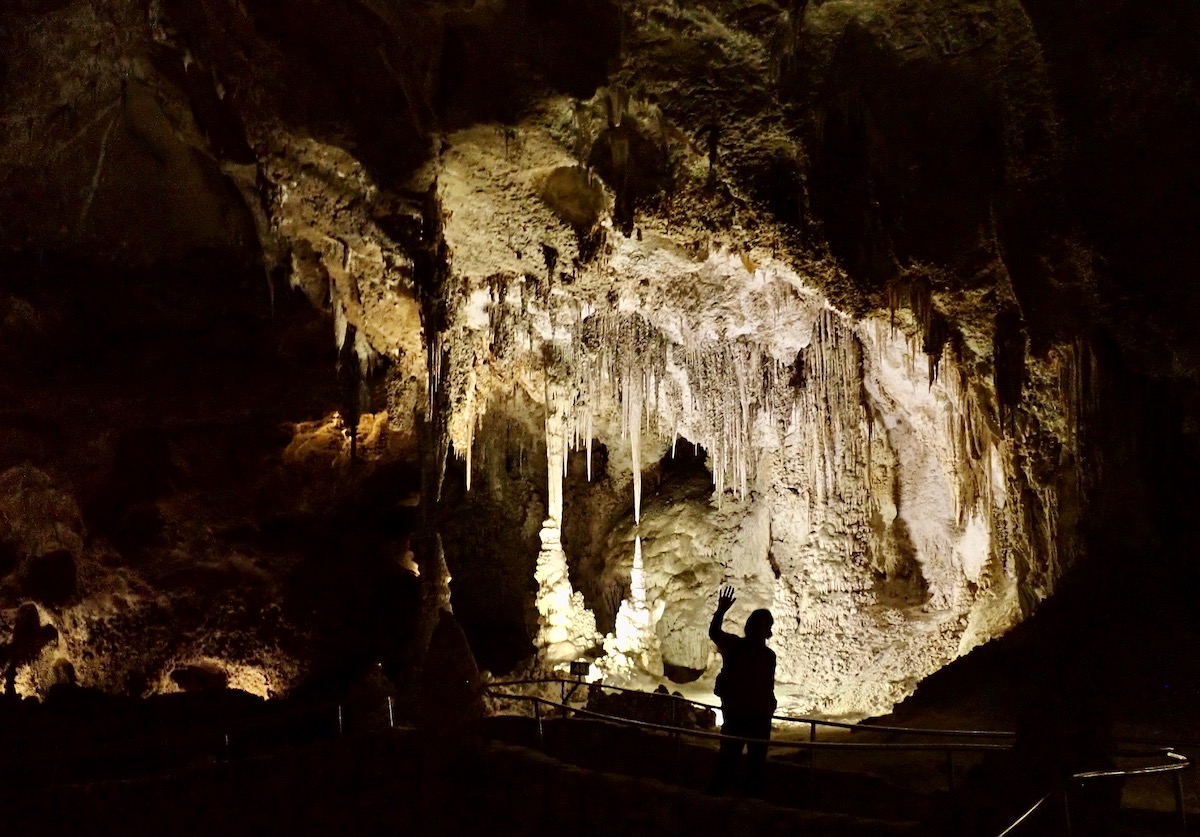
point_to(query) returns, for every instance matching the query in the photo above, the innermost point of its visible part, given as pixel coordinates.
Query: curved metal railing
(1176, 766)
(1179, 764)
(812, 723)
(716, 736)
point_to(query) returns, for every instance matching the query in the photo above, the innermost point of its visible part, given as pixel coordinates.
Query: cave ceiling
(860, 253)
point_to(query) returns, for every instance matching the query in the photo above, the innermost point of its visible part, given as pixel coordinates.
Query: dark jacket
(746, 684)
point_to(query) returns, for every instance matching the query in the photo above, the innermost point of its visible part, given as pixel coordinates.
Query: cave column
(566, 628)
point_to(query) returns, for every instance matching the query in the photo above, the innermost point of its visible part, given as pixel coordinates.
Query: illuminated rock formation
(631, 651)
(822, 244)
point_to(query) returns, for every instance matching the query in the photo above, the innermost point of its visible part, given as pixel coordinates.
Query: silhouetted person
(746, 686)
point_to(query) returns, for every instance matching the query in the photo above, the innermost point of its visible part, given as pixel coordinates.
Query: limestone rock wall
(833, 244)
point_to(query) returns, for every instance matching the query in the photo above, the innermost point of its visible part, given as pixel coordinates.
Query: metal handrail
(716, 736)
(1181, 762)
(1016, 824)
(812, 722)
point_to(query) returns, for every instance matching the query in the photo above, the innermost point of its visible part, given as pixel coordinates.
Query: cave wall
(890, 264)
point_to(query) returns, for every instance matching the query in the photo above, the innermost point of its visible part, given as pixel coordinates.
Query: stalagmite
(637, 576)
(566, 628)
(632, 650)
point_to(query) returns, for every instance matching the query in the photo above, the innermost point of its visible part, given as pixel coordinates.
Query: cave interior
(361, 341)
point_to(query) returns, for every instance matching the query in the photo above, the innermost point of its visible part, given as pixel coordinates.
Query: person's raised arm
(725, 601)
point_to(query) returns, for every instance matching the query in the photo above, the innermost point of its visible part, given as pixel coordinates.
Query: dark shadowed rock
(450, 692)
(51, 578)
(200, 678)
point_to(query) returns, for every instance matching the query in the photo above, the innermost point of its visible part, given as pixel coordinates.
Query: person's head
(759, 624)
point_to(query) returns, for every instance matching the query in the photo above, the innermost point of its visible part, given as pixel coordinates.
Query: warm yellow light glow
(256, 680)
(409, 561)
(329, 438)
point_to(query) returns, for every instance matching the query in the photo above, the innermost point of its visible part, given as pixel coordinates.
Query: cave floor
(387, 781)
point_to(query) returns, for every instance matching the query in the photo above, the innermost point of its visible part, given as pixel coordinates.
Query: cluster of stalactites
(827, 413)
(714, 393)
(621, 359)
(731, 397)
(916, 294)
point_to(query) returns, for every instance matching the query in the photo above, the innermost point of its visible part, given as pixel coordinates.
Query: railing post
(677, 739)
(1066, 792)
(391, 713)
(341, 725)
(537, 713)
(812, 757)
(950, 769)
(1179, 809)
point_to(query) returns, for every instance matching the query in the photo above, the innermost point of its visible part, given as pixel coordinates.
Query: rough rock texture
(881, 263)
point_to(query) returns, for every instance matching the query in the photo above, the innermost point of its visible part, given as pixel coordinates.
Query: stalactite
(620, 361)
(555, 400)
(916, 294)
(1008, 360)
(471, 420)
(635, 446)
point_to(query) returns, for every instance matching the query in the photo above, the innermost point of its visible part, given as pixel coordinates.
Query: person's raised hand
(725, 599)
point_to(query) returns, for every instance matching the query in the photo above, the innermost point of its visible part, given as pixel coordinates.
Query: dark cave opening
(684, 461)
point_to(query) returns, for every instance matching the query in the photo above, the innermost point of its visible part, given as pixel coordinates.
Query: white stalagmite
(631, 651)
(637, 576)
(566, 628)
